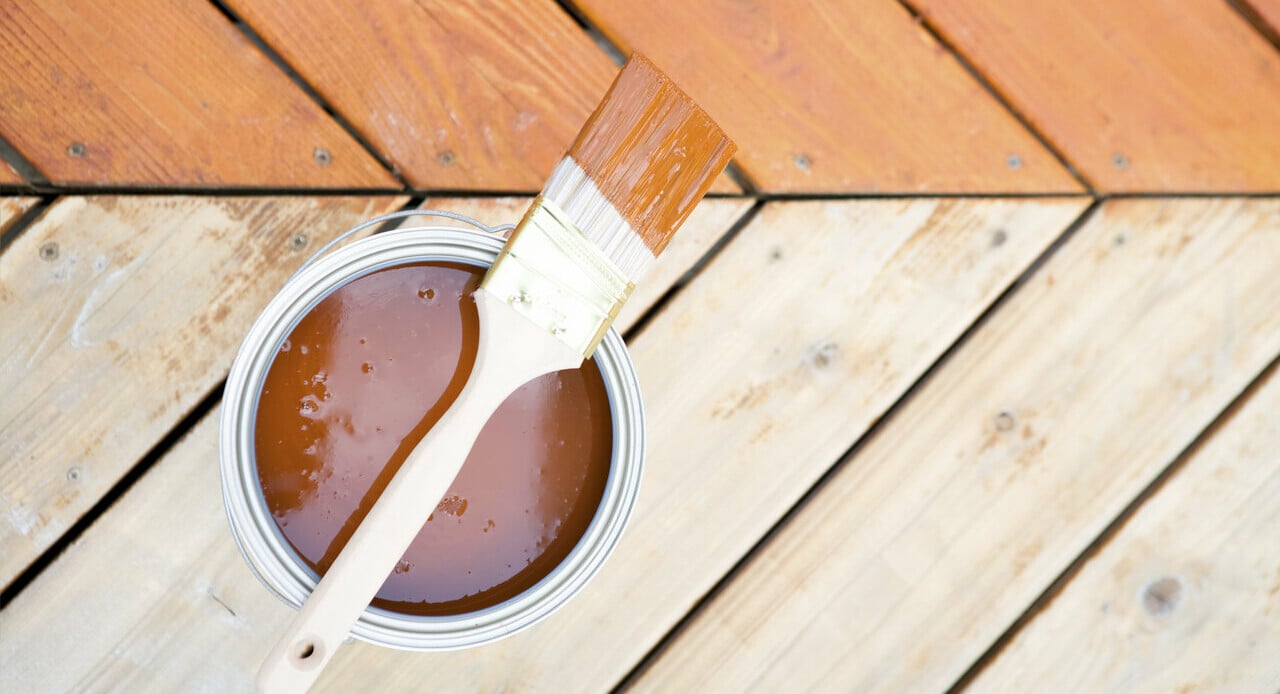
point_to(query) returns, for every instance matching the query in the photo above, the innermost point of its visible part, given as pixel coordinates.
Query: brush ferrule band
(557, 277)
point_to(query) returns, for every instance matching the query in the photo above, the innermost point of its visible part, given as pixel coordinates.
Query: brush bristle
(644, 159)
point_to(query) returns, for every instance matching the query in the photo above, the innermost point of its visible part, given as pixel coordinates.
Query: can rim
(258, 538)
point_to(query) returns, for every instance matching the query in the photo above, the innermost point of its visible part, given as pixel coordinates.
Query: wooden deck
(963, 378)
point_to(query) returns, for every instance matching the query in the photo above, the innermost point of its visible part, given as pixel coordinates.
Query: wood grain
(1009, 461)
(473, 95)
(12, 208)
(147, 92)
(823, 96)
(128, 311)
(1186, 598)
(1150, 95)
(887, 285)
(709, 222)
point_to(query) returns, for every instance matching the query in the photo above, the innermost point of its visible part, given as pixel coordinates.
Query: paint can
(262, 544)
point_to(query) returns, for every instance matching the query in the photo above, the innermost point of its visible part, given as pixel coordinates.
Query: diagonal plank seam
(289, 72)
(1000, 98)
(1114, 528)
(26, 219)
(938, 364)
(1257, 21)
(11, 156)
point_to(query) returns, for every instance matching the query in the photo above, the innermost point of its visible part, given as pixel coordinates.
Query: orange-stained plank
(146, 92)
(468, 95)
(823, 96)
(8, 175)
(1145, 95)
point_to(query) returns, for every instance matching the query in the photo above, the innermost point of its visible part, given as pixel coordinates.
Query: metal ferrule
(556, 277)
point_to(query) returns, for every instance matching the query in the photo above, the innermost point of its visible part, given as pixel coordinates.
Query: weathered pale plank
(1145, 95)
(834, 309)
(12, 208)
(1009, 461)
(474, 95)
(710, 221)
(158, 570)
(121, 313)
(835, 97)
(151, 92)
(1186, 598)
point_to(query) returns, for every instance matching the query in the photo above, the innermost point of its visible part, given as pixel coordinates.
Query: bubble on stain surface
(308, 406)
(366, 367)
(403, 566)
(1162, 596)
(286, 346)
(452, 505)
(427, 294)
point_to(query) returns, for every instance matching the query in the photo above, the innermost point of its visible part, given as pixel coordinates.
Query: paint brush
(644, 159)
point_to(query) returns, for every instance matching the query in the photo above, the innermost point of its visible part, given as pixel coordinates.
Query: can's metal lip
(264, 547)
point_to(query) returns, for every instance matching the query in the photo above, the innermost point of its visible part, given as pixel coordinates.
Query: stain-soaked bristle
(641, 163)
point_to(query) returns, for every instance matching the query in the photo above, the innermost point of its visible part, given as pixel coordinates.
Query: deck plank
(709, 222)
(1009, 461)
(830, 97)
(456, 95)
(892, 283)
(1149, 95)
(165, 94)
(129, 310)
(1186, 597)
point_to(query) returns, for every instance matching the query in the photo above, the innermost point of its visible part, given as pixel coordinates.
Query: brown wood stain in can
(342, 407)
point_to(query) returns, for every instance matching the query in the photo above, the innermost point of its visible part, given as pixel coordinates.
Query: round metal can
(260, 541)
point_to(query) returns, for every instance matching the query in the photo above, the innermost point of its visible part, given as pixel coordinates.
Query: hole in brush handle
(307, 653)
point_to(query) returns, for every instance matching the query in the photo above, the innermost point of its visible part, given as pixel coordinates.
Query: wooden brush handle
(511, 351)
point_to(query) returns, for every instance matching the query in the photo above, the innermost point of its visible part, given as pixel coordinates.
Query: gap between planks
(843, 460)
(1117, 526)
(968, 234)
(1157, 281)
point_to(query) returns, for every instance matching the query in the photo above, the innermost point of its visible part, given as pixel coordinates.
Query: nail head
(1005, 422)
(49, 251)
(322, 156)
